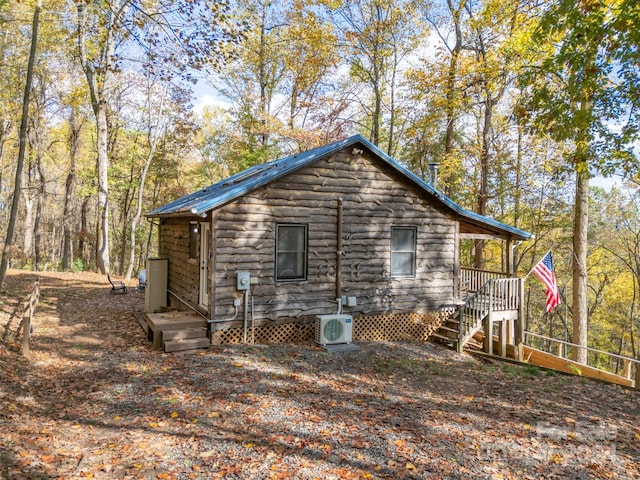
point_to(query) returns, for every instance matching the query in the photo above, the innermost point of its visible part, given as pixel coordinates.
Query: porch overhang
(489, 229)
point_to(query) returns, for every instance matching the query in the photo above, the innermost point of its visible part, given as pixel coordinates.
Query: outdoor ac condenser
(332, 329)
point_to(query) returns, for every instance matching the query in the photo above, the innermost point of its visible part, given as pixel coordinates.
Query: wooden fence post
(26, 332)
(27, 318)
(626, 371)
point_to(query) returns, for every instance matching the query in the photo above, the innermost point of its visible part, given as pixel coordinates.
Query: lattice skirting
(396, 327)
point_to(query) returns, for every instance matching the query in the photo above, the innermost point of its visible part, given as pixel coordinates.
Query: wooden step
(442, 338)
(449, 329)
(184, 333)
(186, 344)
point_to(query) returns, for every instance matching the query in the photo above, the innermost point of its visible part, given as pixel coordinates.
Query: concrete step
(184, 333)
(185, 344)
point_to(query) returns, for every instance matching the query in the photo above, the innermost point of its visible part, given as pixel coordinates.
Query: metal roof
(229, 189)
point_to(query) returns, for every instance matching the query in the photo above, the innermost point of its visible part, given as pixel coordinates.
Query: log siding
(375, 198)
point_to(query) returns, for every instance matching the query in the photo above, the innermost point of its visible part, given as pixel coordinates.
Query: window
(291, 252)
(403, 251)
(193, 239)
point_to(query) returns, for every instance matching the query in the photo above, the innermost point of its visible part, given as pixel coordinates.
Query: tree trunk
(5, 127)
(153, 137)
(23, 144)
(27, 240)
(37, 224)
(83, 230)
(483, 193)
(451, 85)
(580, 226)
(102, 253)
(98, 90)
(69, 191)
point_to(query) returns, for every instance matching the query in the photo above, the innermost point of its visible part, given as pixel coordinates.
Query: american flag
(545, 272)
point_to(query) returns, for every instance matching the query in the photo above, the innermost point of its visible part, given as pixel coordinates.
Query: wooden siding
(184, 275)
(374, 200)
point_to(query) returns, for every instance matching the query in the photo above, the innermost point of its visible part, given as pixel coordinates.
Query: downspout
(339, 257)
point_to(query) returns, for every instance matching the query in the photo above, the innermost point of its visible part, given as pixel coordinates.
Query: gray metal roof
(229, 189)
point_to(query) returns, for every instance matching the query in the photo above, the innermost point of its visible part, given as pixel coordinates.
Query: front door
(205, 238)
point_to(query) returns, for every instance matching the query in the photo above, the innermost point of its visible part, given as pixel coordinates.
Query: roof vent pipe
(433, 175)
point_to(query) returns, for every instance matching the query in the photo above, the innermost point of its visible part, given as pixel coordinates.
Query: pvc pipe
(246, 314)
(253, 324)
(223, 320)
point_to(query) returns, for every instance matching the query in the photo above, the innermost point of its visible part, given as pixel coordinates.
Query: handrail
(471, 269)
(496, 295)
(627, 360)
(472, 279)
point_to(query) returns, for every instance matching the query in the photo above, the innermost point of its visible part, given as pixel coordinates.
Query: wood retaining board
(539, 358)
(549, 360)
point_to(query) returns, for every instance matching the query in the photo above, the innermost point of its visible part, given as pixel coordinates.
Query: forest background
(520, 102)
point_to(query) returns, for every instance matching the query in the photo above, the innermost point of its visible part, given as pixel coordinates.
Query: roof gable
(231, 188)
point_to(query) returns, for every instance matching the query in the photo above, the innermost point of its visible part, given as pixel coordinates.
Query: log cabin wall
(375, 198)
(184, 275)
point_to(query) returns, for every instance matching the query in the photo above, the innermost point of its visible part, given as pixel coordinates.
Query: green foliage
(78, 265)
(581, 80)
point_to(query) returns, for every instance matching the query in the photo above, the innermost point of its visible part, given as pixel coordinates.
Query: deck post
(510, 247)
(559, 347)
(636, 382)
(503, 338)
(519, 323)
(488, 323)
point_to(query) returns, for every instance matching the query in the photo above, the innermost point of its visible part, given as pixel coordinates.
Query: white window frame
(397, 251)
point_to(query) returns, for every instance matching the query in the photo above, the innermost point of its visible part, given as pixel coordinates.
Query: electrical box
(352, 301)
(244, 280)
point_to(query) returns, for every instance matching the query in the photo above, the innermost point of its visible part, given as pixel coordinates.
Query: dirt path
(95, 401)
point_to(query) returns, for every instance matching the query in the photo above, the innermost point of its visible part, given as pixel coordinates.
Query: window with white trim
(403, 252)
(291, 252)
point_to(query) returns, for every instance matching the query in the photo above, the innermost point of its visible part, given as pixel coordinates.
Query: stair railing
(495, 295)
(472, 313)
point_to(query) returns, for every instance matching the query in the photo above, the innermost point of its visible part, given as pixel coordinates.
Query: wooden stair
(185, 339)
(177, 331)
(448, 333)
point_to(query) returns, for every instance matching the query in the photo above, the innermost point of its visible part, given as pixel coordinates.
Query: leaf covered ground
(94, 400)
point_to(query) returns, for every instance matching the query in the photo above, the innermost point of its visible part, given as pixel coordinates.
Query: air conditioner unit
(332, 329)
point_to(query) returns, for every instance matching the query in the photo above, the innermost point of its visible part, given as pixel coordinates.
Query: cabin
(341, 231)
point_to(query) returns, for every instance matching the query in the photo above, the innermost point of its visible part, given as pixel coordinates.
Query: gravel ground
(94, 400)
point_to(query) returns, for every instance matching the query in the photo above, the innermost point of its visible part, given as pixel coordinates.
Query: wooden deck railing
(496, 295)
(472, 279)
(561, 349)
